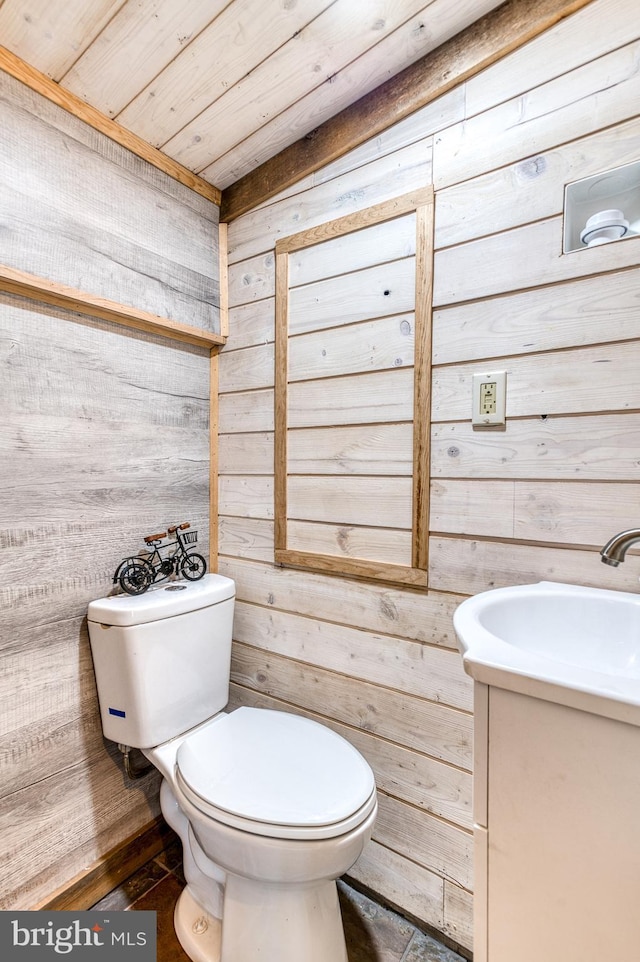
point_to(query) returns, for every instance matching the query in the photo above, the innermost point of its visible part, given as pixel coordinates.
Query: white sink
(565, 643)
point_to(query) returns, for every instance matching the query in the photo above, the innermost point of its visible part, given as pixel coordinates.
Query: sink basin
(570, 644)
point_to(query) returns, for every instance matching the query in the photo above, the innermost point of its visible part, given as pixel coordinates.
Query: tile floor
(373, 933)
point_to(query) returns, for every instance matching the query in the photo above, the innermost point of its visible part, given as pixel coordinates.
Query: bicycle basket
(190, 537)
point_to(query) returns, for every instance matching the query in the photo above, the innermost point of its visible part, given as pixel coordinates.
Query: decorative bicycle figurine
(136, 573)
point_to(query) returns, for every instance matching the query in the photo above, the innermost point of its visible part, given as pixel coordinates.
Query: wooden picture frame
(421, 203)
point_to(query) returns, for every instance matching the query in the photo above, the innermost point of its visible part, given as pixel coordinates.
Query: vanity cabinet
(557, 832)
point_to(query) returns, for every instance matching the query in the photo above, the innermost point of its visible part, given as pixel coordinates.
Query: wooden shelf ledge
(36, 288)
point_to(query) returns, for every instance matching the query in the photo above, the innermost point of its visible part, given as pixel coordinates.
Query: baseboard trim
(111, 870)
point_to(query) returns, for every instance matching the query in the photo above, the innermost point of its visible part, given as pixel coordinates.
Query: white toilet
(271, 807)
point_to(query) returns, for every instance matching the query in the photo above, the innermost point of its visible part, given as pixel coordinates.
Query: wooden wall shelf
(13, 281)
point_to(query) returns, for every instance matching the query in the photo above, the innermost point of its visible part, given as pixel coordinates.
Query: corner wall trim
(48, 88)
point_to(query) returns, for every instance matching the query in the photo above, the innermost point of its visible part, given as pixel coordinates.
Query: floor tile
(162, 898)
(171, 856)
(135, 886)
(372, 933)
(423, 948)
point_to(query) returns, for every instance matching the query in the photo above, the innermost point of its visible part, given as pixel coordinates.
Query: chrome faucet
(616, 548)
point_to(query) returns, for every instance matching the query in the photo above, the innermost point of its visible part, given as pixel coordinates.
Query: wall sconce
(602, 208)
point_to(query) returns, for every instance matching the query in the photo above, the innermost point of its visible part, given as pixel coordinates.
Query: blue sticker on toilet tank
(116, 711)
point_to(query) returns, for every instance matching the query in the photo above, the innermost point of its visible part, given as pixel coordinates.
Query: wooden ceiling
(244, 96)
(222, 85)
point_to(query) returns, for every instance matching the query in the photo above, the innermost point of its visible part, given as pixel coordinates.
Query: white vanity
(557, 772)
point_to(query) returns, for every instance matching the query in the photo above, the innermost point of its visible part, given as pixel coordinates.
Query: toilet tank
(162, 658)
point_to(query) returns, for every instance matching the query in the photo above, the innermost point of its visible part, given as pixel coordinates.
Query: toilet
(271, 807)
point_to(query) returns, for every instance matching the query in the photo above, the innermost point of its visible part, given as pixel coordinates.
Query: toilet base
(198, 932)
(284, 924)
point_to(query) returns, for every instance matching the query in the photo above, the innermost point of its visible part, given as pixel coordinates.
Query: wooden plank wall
(533, 501)
(105, 437)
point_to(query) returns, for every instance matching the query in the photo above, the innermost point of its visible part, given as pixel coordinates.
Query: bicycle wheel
(193, 566)
(136, 577)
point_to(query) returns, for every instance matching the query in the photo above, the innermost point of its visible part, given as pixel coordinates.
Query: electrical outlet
(489, 398)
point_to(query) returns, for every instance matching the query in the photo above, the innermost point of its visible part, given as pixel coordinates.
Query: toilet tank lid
(165, 601)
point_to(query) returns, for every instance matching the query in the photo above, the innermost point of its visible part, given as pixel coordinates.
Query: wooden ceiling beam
(483, 43)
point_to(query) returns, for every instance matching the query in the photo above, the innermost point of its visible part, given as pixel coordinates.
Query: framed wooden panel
(352, 393)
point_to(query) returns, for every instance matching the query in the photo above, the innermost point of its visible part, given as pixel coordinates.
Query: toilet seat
(275, 774)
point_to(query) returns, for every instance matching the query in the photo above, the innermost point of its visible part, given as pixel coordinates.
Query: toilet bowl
(274, 808)
(271, 807)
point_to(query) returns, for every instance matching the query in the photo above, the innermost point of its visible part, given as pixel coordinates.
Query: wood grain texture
(348, 541)
(110, 870)
(422, 385)
(214, 377)
(589, 447)
(376, 291)
(526, 190)
(602, 379)
(153, 249)
(42, 85)
(376, 345)
(132, 49)
(248, 369)
(224, 278)
(366, 567)
(552, 512)
(101, 815)
(428, 727)
(340, 189)
(250, 453)
(247, 538)
(578, 102)
(458, 921)
(521, 259)
(351, 500)
(353, 449)
(248, 496)
(528, 502)
(327, 330)
(68, 31)
(485, 42)
(373, 216)
(346, 58)
(234, 56)
(60, 295)
(410, 888)
(106, 436)
(427, 671)
(224, 84)
(552, 46)
(481, 564)
(280, 401)
(428, 841)
(575, 313)
(382, 609)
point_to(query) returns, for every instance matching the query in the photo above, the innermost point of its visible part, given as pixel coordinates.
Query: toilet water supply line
(132, 772)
